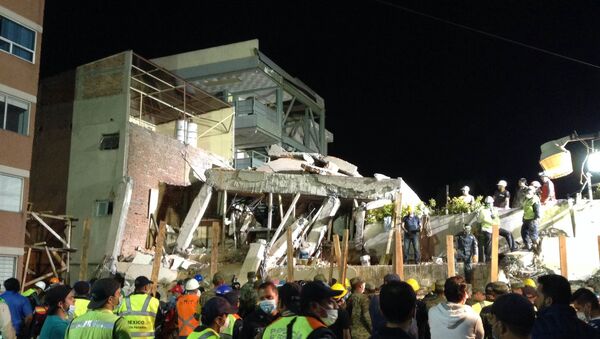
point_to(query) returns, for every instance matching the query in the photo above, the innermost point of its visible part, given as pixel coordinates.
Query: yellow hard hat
(347, 283)
(529, 282)
(414, 284)
(339, 287)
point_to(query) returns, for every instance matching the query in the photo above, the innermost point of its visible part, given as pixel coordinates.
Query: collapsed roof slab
(309, 184)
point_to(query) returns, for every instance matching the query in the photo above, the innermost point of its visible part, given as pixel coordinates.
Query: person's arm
(346, 333)
(507, 200)
(536, 210)
(121, 330)
(364, 308)
(27, 314)
(479, 332)
(8, 331)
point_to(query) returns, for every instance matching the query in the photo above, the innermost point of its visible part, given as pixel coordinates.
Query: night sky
(406, 96)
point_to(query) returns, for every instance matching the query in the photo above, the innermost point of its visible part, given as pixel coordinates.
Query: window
(104, 208)
(11, 193)
(14, 114)
(109, 141)
(17, 39)
(8, 265)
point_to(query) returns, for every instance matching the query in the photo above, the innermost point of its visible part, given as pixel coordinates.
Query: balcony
(256, 124)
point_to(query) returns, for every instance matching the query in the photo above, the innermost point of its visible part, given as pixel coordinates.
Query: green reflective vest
(140, 312)
(528, 212)
(228, 333)
(207, 333)
(488, 216)
(29, 292)
(301, 327)
(81, 306)
(98, 324)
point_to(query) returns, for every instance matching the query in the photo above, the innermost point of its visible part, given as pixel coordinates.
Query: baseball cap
(317, 291)
(57, 294)
(514, 309)
(142, 281)
(391, 277)
(82, 287)
(101, 291)
(500, 287)
(215, 307)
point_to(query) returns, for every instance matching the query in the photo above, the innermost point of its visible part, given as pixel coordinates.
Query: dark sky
(406, 96)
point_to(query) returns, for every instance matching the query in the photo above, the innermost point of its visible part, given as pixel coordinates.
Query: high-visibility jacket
(531, 208)
(186, 307)
(29, 292)
(488, 216)
(81, 306)
(140, 312)
(301, 327)
(206, 333)
(228, 333)
(480, 305)
(98, 324)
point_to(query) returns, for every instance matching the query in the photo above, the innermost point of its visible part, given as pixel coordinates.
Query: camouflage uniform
(437, 296)
(360, 319)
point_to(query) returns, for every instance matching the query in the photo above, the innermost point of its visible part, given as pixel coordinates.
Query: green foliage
(596, 194)
(455, 206)
(379, 213)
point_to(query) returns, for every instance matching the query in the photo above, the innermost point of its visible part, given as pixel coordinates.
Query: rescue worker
(437, 295)
(34, 293)
(318, 310)
(411, 224)
(465, 196)
(140, 309)
(531, 220)
(548, 195)
(248, 295)
(186, 306)
(235, 322)
(82, 297)
(341, 327)
(502, 196)
(217, 281)
(358, 307)
(487, 217)
(214, 319)
(100, 322)
(521, 192)
(6, 326)
(467, 250)
(265, 313)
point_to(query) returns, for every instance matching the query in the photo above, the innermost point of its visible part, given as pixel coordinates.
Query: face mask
(332, 316)
(225, 325)
(581, 316)
(267, 306)
(71, 311)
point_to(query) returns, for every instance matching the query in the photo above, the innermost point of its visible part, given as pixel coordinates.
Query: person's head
(467, 229)
(455, 289)
(251, 276)
(530, 293)
(218, 279)
(39, 287)
(409, 209)
(390, 277)
(499, 288)
(512, 316)
(106, 293)
(397, 302)
(489, 292)
(340, 299)
(268, 297)
(60, 299)
(214, 313)
(553, 289)
(289, 297)
(465, 190)
(517, 287)
(585, 303)
(439, 286)
(192, 286)
(320, 277)
(316, 299)
(531, 191)
(82, 289)
(522, 182)
(478, 295)
(233, 298)
(488, 201)
(544, 177)
(12, 284)
(120, 278)
(501, 185)
(358, 285)
(143, 284)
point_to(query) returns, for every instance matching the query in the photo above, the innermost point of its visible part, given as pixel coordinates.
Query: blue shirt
(54, 327)
(19, 306)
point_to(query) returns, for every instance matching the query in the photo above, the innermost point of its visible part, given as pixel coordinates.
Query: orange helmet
(54, 280)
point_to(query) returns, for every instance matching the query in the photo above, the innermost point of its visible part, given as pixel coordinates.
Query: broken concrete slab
(142, 258)
(344, 166)
(133, 271)
(320, 170)
(276, 151)
(317, 232)
(256, 254)
(282, 165)
(359, 225)
(192, 219)
(279, 248)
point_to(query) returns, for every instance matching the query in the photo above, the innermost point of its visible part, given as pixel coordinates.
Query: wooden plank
(270, 216)
(337, 249)
(562, 247)
(49, 228)
(398, 255)
(344, 260)
(69, 236)
(290, 255)
(214, 254)
(283, 221)
(85, 242)
(494, 261)
(450, 255)
(24, 280)
(51, 261)
(280, 207)
(158, 251)
(329, 228)
(223, 232)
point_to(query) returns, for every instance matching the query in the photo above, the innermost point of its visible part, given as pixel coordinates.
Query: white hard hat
(502, 183)
(465, 188)
(536, 184)
(192, 284)
(489, 200)
(41, 285)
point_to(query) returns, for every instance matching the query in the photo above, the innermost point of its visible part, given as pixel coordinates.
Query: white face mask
(581, 315)
(332, 316)
(225, 325)
(267, 306)
(71, 311)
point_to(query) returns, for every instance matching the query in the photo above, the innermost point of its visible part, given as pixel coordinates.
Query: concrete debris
(192, 219)
(317, 233)
(319, 170)
(143, 259)
(380, 177)
(285, 165)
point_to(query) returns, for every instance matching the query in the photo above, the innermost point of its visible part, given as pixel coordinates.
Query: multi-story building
(20, 45)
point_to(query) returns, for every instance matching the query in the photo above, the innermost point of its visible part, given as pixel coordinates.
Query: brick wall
(155, 158)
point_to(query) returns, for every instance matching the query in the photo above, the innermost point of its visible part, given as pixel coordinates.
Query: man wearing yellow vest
(318, 310)
(487, 217)
(234, 330)
(139, 309)
(186, 308)
(82, 298)
(215, 319)
(531, 219)
(100, 322)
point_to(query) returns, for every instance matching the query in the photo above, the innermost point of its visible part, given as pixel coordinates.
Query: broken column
(317, 233)
(192, 219)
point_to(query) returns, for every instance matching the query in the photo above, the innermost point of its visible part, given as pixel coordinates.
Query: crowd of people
(302, 309)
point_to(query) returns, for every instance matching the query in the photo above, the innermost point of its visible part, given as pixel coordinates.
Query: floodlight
(593, 161)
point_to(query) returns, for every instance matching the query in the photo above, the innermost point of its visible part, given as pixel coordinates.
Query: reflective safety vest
(207, 333)
(186, 307)
(528, 212)
(29, 292)
(299, 327)
(81, 306)
(486, 219)
(477, 307)
(228, 333)
(140, 312)
(95, 324)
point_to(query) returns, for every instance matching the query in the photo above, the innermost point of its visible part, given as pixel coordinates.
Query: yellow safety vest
(300, 326)
(486, 220)
(528, 213)
(140, 312)
(95, 324)
(207, 333)
(229, 330)
(81, 306)
(480, 305)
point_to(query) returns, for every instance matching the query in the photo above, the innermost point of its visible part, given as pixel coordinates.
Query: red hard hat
(176, 289)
